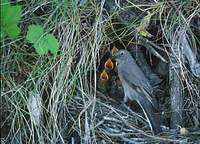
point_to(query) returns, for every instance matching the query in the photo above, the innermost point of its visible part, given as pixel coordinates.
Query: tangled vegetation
(55, 89)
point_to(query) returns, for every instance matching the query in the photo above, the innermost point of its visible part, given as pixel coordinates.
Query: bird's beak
(115, 57)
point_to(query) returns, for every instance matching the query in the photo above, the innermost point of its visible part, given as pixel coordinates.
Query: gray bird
(137, 87)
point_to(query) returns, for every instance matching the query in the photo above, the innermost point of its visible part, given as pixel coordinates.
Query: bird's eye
(122, 53)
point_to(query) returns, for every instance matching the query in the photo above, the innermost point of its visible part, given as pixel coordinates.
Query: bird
(137, 87)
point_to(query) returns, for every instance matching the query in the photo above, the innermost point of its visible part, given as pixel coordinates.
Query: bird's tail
(151, 114)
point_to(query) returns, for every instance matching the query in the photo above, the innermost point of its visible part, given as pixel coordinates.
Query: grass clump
(59, 98)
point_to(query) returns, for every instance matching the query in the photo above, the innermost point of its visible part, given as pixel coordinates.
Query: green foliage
(10, 17)
(34, 33)
(42, 42)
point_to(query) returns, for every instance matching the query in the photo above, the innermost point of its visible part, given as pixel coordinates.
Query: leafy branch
(41, 41)
(10, 17)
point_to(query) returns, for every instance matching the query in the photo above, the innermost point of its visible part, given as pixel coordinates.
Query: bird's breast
(131, 93)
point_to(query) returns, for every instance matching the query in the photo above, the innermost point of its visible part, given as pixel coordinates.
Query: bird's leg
(125, 98)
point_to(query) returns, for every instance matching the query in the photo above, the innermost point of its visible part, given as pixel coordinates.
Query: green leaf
(42, 42)
(52, 43)
(13, 31)
(34, 33)
(145, 33)
(10, 17)
(41, 46)
(4, 4)
(2, 33)
(48, 42)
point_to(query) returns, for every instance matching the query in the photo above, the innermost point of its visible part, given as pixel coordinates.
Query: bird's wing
(136, 79)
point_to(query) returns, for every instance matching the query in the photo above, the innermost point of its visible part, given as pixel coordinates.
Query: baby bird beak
(109, 64)
(115, 56)
(104, 76)
(114, 52)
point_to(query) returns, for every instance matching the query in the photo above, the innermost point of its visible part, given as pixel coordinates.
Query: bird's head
(122, 56)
